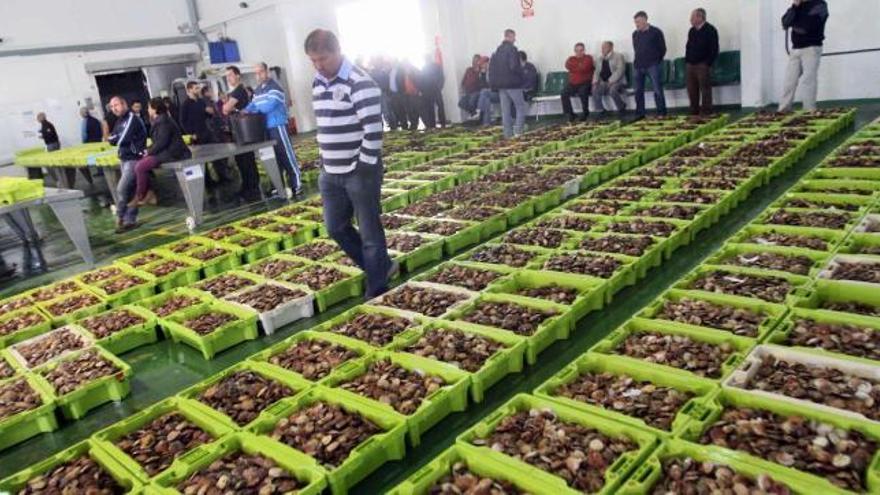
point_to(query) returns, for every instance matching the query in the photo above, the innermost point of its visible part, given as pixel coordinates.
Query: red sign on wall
(528, 9)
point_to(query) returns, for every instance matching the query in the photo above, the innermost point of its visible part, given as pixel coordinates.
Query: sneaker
(394, 270)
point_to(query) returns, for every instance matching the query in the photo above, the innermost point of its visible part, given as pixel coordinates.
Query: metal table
(191, 172)
(65, 203)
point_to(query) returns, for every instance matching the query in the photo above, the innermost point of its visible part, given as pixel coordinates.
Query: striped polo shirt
(348, 111)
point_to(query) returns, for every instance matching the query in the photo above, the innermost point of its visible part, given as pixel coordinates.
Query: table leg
(70, 215)
(111, 175)
(267, 156)
(192, 183)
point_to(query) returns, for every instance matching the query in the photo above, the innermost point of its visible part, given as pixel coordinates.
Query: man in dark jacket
(130, 136)
(806, 19)
(430, 83)
(506, 77)
(531, 78)
(649, 46)
(700, 54)
(193, 116)
(90, 127)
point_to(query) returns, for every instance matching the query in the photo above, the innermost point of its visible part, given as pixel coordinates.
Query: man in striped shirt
(348, 111)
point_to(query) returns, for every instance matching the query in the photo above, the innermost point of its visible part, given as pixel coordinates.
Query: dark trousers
(285, 156)
(407, 109)
(357, 195)
(582, 91)
(433, 109)
(250, 178)
(659, 97)
(699, 87)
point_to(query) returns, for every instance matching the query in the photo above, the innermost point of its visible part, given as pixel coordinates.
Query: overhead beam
(95, 47)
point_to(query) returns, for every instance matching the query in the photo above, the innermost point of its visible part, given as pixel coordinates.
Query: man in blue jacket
(269, 100)
(506, 77)
(130, 136)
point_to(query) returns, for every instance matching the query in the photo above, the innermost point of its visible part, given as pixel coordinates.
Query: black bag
(248, 128)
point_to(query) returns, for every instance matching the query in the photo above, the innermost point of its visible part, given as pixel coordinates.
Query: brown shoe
(149, 199)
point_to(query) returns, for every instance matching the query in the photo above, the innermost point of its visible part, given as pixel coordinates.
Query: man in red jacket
(580, 78)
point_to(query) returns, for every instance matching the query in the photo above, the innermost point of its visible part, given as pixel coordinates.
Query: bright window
(390, 28)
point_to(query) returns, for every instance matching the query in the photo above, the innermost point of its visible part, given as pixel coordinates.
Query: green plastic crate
(130, 295)
(590, 294)
(345, 289)
(396, 201)
(107, 438)
(795, 281)
(731, 397)
(783, 331)
(290, 238)
(859, 243)
(26, 424)
(22, 363)
(831, 237)
(614, 475)
(554, 328)
(501, 271)
(191, 394)
(363, 459)
(132, 337)
(730, 251)
(25, 333)
(740, 345)
(643, 479)
(63, 319)
(307, 335)
(230, 260)
(591, 362)
(772, 313)
(452, 397)
(507, 360)
(269, 244)
(859, 203)
(624, 276)
(226, 336)
(651, 258)
(18, 481)
(363, 346)
(74, 405)
(154, 302)
(181, 277)
(469, 235)
(421, 482)
(428, 252)
(466, 258)
(299, 465)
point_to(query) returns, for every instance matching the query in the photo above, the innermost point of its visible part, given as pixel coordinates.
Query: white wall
(853, 25)
(58, 83)
(557, 25)
(40, 23)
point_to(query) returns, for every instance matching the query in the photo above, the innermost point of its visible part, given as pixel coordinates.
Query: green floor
(162, 369)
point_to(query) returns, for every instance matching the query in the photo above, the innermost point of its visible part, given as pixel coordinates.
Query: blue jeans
(285, 156)
(388, 111)
(659, 98)
(356, 195)
(125, 190)
(484, 104)
(513, 111)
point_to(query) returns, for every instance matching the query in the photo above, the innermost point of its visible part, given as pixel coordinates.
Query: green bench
(725, 72)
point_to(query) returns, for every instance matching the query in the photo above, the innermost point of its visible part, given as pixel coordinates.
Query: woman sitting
(167, 146)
